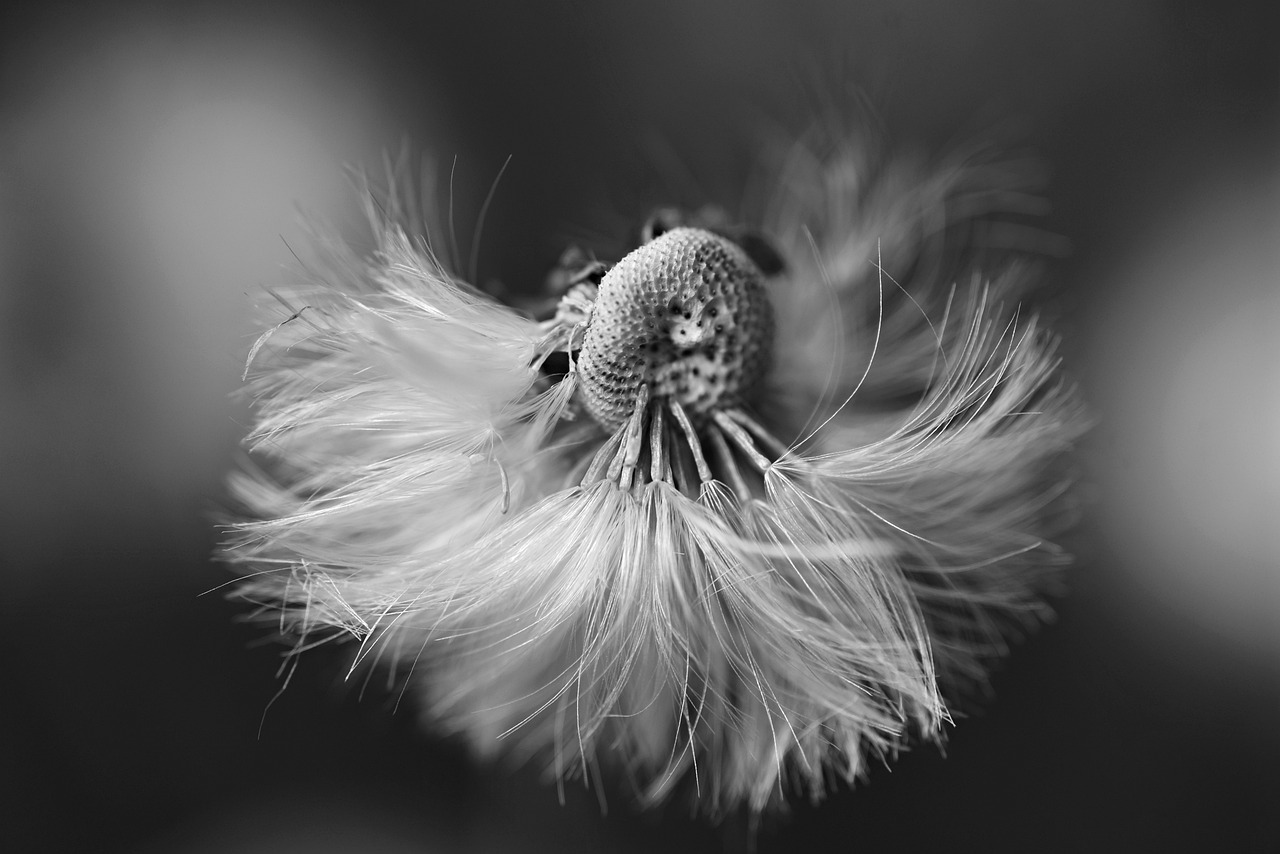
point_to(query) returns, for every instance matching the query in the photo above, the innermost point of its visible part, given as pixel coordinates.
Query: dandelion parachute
(788, 499)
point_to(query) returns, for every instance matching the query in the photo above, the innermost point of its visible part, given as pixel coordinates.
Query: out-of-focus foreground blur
(152, 161)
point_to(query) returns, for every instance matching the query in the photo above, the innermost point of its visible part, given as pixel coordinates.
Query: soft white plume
(743, 603)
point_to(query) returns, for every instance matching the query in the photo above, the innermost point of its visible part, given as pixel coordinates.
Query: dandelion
(735, 514)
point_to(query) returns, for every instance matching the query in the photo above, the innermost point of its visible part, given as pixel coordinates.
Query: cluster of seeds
(685, 314)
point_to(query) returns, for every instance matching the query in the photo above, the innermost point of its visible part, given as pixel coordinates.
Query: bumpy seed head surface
(686, 313)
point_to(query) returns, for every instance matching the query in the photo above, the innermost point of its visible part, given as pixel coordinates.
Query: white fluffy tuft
(424, 487)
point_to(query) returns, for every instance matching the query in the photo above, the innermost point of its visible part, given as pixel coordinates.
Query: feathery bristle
(807, 503)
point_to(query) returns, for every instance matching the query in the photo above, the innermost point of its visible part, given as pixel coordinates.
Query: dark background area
(151, 160)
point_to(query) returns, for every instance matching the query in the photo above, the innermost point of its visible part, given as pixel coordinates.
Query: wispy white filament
(683, 604)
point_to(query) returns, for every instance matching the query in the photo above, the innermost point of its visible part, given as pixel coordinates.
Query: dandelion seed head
(686, 314)
(671, 589)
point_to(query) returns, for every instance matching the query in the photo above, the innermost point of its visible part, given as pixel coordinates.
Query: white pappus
(745, 508)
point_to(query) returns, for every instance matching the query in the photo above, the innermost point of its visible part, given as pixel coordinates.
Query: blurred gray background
(152, 160)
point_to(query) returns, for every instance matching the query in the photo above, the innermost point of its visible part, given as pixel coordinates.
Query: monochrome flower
(737, 512)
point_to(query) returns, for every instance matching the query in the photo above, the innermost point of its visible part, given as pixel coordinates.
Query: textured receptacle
(687, 314)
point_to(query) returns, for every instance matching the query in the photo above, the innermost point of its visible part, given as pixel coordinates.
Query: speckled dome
(686, 313)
